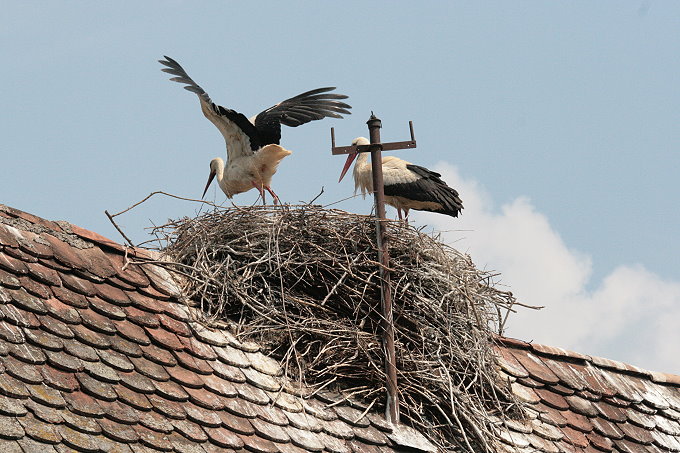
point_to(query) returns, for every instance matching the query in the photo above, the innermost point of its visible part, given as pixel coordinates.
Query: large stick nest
(304, 282)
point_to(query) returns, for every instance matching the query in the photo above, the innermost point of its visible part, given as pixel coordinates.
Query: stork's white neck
(363, 179)
(217, 164)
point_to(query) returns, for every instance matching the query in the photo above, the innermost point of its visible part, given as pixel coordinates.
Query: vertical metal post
(392, 407)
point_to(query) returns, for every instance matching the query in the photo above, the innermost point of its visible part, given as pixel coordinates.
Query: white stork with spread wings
(253, 151)
(406, 186)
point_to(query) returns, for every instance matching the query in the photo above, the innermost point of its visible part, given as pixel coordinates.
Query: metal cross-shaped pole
(376, 147)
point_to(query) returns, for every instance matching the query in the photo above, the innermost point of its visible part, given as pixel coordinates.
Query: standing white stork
(406, 186)
(253, 151)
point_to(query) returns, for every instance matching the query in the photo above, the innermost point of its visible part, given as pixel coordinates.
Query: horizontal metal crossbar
(337, 150)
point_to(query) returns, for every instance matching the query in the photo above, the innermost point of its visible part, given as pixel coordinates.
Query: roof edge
(668, 379)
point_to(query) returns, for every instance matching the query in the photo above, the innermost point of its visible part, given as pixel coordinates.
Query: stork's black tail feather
(436, 190)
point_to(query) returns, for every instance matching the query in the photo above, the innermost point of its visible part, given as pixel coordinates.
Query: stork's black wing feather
(303, 108)
(217, 113)
(428, 187)
(174, 68)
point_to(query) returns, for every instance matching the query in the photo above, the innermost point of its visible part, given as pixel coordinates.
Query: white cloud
(631, 315)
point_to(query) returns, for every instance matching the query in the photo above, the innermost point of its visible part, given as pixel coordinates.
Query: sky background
(558, 122)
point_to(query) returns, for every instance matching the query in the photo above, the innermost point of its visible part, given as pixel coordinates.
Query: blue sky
(560, 120)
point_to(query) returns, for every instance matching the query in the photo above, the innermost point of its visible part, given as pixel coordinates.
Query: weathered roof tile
(258, 444)
(38, 430)
(69, 297)
(370, 435)
(165, 339)
(56, 327)
(261, 380)
(153, 439)
(159, 355)
(191, 363)
(62, 311)
(78, 440)
(87, 425)
(236, 424)
(27, 301)
(83, 404)
(132, 398)
(141, 317)
(338, 429)
(205, 399)
(98, 389)
(271, 414)
(9, 235)
(128, 348)
(107, 309)
(218, 385)
(150, 369)
(118, 431)
(177, 311)
(35, 245)
(115, 360)
(43, 274)
(90, 337)
(21, 255)
(12, 407)
(97, 321)
(284, 400)
(169, 408)
(171, 390)
(156, 421)
(21, 370)
(304, 439)
(137, 382)
(193, 346)
(112, 294)
(132, 332)
(77, 284)
(229, 372)
(270, 431)
(224, 437)
(232, 356)
(12, 387)
(10, 264)
(145, 303)
(35, 288)
(240, 407)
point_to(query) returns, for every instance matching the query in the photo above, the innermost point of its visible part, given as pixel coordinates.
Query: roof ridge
(599, 362)
(67, 229)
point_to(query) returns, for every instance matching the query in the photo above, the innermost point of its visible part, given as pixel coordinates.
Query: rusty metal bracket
(408, 144)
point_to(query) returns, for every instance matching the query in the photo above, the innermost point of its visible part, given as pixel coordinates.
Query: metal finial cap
(374, 121)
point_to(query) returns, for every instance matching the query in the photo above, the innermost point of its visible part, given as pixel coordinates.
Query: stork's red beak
(210, 179)
(348, 163)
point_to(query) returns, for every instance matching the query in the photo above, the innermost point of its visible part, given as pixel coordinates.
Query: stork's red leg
(259, 189)
(276, 197)
(406, 215)
(399, 213)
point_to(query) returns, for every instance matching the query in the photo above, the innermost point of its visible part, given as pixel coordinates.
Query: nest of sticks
(304, 282)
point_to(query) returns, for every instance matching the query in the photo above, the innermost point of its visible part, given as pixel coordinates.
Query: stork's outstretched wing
(303, 108)
(228, 121)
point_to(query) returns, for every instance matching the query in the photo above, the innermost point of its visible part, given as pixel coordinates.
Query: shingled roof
(100, 356)
(579, 403)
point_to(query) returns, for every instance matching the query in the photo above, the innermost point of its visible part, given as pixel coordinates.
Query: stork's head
(216, 166)
(351, 156)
